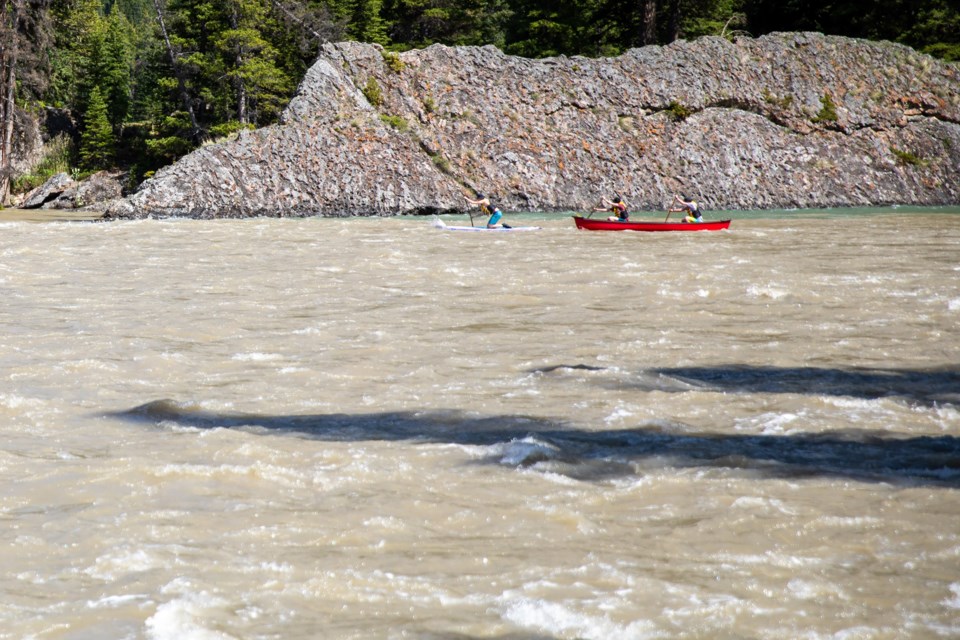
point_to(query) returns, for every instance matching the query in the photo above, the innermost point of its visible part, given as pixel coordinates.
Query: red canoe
(607, 225)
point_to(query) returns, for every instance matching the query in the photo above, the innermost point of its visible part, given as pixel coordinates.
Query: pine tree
(96, 141)
(259, 86)
(367, 24)
(115, 65)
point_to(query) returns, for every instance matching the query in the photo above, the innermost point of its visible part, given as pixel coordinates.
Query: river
(371, 428)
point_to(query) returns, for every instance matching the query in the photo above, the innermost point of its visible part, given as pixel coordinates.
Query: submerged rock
(786, 120)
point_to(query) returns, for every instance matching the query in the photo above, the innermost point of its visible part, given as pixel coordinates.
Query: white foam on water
(721, 610)
(110, 602)
(767, 423)
(854, 633)
(758, 502)
(814, 590)
(766, 292)
(565, 620)
(867, 404)
(954, 602)
(112, 566)
(849, 521)
(256, 357)
(954, 304)
(183, 618)
(277, 475)
(770, 558)
(619, 415)
(289, 370)
(527, 450)
(18, 402)
(945, 631)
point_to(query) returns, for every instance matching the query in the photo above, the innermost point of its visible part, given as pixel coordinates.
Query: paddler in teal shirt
(489, 209)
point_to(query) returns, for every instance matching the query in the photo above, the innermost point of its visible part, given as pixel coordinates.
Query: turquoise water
(37, 215)
(717, 214)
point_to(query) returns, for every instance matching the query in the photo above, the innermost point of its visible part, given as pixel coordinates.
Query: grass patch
(55, 160)
(441, 163)
(678, 112)
(908, 159)
(396, 122)
(372, 92)
(828, 110)
(394, 62)
(784, 103)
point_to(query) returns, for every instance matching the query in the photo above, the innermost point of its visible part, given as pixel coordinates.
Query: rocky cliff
(782, 121)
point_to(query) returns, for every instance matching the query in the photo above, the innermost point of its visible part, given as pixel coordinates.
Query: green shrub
(393, 61)
(828, 110)
(441, 163)
(396, 122)
(907, 159)
(771, 98)
(372, 92)
(429, 105)
(55, 160)
(678, 112)
(229, 128)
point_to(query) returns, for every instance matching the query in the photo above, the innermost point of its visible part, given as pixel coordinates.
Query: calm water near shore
(371, 428)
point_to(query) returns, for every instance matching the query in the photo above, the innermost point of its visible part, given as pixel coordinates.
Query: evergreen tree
(547, 28)
(367, 23)
(96, 141)
(227, 62)
(114, 66)
(932, 26)
(419, 23)
(936, 30)
(260, 87)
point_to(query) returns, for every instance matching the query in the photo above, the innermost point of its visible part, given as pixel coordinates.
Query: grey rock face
(48, 191)
(786, 120)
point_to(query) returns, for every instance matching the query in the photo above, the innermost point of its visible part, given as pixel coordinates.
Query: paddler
(688, 204)
(489, 209)
(617, 207)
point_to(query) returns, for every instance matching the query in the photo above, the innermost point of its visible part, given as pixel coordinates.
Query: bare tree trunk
(9, 19)
(648, 22)
(197, 133)
(298, 20)
(238, 78)
(674, 21)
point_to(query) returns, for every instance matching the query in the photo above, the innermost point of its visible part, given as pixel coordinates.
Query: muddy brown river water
(370, 428)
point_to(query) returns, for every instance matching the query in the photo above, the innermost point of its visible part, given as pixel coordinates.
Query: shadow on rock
(518, 441)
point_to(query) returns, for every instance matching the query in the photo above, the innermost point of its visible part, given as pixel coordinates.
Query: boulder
(48, 191)
(94, 191)
(786, 120)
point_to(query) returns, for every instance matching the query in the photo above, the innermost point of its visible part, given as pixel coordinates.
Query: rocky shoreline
(793, 120)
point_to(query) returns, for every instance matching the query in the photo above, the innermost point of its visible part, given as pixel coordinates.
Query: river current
(371, 428)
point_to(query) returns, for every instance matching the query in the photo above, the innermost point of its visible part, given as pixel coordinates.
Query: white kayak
(440, 224)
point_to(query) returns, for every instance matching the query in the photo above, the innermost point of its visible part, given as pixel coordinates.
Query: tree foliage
(96, 142)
